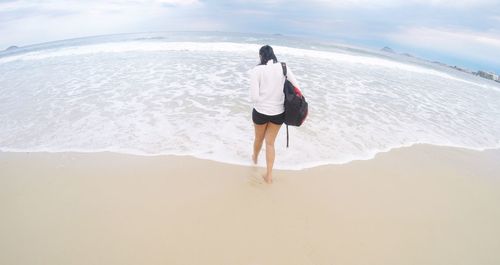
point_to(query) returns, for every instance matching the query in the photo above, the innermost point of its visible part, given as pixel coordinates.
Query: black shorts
(259, 118)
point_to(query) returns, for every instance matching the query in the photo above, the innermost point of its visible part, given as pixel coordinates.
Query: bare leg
(270, 136)
(260, 131)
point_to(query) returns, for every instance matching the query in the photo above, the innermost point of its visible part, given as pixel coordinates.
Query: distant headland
(12, 48)
(483, 74)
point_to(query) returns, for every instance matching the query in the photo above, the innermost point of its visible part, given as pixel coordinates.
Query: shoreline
(371, 156)
(413, 205)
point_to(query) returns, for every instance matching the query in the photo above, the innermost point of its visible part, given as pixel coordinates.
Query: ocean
(187, 93)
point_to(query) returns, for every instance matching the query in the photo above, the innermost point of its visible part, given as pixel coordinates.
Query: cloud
(374, 4)
(12, 9)
(175, 2)
(75, 4)
(462, 43)
(28, 22)
(441, 26)
(370, 4)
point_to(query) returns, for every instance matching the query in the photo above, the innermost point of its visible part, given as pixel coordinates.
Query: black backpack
(296, 107)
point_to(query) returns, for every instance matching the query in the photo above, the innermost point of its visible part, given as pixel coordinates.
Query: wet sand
(417, 205)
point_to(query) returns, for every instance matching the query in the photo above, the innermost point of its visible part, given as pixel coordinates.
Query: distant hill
(387, 49)
(11, 48)
(483, 74)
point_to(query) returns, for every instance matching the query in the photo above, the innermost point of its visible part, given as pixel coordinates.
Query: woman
(268, 114)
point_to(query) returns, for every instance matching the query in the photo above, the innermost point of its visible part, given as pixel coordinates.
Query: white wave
(230, 47)
(188, 98)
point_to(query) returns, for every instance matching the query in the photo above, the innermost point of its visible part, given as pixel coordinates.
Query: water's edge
(371, 156)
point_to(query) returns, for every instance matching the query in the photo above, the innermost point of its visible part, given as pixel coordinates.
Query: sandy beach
(416, 205)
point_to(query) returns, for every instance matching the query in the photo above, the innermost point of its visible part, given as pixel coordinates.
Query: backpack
(296, 107)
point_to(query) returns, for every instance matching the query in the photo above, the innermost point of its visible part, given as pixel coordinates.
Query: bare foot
(254, 158)
(268, 178)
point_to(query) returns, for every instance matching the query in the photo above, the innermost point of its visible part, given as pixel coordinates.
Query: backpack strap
(287, 136)
(283, 65)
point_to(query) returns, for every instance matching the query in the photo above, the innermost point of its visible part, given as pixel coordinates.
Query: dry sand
(417, 205)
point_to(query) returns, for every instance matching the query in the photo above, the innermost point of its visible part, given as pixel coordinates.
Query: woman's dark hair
(266, 53)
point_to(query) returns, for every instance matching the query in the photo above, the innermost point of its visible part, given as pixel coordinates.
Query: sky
(465, 33)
